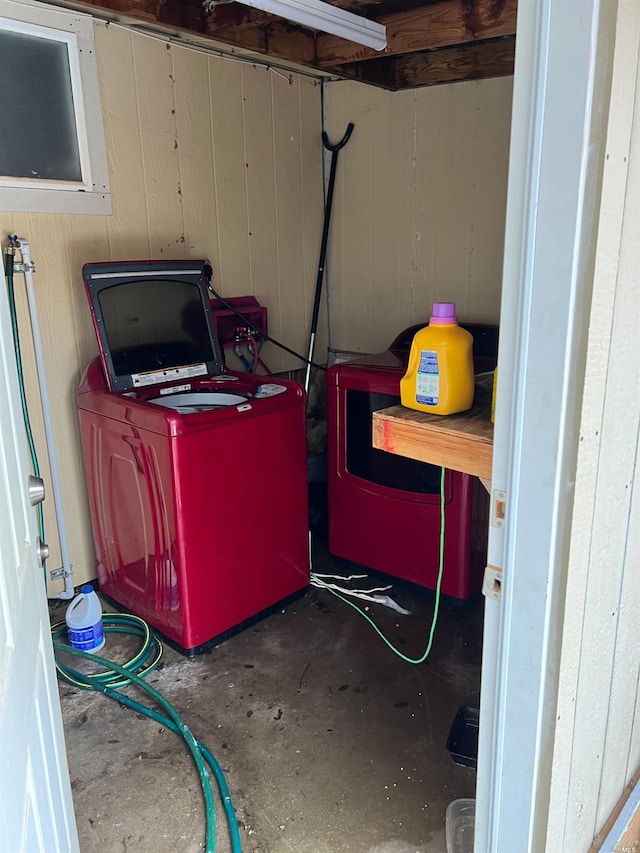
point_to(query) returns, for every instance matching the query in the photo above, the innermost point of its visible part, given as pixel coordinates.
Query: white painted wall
(597, 736)
(419, 207)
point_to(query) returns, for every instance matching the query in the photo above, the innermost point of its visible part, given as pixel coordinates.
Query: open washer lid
(152, 321)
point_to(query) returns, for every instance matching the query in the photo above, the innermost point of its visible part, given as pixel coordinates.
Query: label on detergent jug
(428, 379)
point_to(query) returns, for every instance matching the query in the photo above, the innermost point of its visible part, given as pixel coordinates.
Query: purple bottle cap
(444, 312)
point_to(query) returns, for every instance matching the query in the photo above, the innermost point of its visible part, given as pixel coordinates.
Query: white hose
(44, 397)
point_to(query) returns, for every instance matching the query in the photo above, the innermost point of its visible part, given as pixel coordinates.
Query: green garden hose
(23, 397)
(115, 677)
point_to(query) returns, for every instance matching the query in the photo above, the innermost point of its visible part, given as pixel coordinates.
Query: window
(52, 153)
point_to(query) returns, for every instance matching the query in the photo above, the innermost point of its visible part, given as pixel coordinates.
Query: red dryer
(384, 510)
(196, 475)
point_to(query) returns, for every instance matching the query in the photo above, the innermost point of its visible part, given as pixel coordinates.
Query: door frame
(562, 82)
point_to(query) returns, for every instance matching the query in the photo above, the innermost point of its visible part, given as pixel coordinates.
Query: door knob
(36, 490)
(42, 551)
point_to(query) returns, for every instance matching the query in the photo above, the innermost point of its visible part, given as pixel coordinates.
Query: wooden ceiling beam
(447, 65)
(380, 73)
(179, 14)
(292, 43)
(250, 30)
(443, 24)
(247, 38)
(454, 64)
(280, 41)
(441, 42)
(235, 15)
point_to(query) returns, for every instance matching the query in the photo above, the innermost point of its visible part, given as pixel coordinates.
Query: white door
(560, 108)
(36, 811)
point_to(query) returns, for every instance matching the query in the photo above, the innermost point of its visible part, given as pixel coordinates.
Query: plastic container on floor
(462, 742)
(460, 823)
(84, 621)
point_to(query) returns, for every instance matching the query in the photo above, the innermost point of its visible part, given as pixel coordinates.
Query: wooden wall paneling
(597, 733)
(350, 236)
(80, 239)
(195, 153)
(570, 749)
(569, 781)
(431, 120)
(357, 194)
(22, 225)
(472, 128)
(489, 199)
(261, 195)
(86, 239)
(620, 758)
(83, 239)
(392, 217)
(451, 229)
(311, 207)
(419, 216)
(154, 82)
(599, 721)
(618, 465)
(632, 559)
(292, 327)
(232, 267)
(463, 138)
(57, 243)
(339, 114)
(128, 224)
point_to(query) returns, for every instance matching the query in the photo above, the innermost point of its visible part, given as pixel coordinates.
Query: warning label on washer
(155, 377)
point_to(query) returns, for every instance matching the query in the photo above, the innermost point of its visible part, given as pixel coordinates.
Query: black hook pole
(343, 141)
(325, 238)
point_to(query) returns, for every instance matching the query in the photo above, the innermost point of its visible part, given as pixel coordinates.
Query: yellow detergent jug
(439, 378)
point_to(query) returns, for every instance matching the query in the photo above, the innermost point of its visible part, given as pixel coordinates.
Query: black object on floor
(318, 510)
(462, 742)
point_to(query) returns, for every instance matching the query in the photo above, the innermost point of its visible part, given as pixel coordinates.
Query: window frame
(90, 195)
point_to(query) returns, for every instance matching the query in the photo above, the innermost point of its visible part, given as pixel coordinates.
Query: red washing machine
(196, 475)
(384, 510)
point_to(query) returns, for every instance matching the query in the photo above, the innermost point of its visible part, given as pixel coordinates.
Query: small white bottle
(84, 621)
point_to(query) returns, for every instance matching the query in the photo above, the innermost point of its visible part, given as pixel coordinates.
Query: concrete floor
(329, 742)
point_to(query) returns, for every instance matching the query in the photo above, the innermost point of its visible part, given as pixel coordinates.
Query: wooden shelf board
(461, 442)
